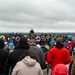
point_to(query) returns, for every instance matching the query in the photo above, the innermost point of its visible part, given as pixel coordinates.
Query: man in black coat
(14, 56)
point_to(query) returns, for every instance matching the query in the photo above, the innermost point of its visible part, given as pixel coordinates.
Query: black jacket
(3, 57)
(13, 59)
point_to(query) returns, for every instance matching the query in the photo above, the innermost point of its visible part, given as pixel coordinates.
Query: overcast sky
(40, 15)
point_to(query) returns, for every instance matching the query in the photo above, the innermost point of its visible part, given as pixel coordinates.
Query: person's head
(60, 69)
(31, 31)
(23, 44)
(1, 43)
(27, 53)
(59, 42)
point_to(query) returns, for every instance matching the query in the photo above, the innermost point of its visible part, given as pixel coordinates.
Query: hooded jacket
(27, 66)
(15, 55)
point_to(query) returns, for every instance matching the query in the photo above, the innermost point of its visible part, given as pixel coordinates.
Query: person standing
(27, 65)
(72, 64)
(3, 57)
(58, 54)
(39, 54)
(15, 55)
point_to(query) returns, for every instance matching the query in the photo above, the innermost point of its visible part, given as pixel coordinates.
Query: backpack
(44, 49)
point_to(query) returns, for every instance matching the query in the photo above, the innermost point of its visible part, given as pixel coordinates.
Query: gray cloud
(41, 15)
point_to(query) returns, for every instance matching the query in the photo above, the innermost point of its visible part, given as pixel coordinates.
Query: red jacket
(56, 56)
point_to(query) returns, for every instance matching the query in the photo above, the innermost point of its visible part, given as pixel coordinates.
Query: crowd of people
(32, 54)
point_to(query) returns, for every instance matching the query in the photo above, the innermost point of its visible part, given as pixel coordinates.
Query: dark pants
(71, 52)
(70, 67)
(2, 73)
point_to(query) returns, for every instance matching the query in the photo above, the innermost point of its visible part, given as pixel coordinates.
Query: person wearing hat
(58, 54)
(60, 69)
